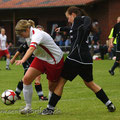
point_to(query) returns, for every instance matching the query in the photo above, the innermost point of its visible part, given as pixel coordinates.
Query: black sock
(103, 97)
(38, 88)
(53, 100)
(116, 64)
(19, 88)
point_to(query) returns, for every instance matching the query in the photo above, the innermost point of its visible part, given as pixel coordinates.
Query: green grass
(77, 102)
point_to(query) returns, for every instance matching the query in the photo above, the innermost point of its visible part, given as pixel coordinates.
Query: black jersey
(22, 49)
(116, 34)
(79, 33)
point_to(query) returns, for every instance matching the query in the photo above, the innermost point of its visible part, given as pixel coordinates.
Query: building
(49, 12)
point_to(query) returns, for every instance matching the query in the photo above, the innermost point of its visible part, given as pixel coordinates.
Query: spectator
(58, 38)
(40, 27)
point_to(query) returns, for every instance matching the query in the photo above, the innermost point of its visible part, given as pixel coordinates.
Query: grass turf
(77, 102)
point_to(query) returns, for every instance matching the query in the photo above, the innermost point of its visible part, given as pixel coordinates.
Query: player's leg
(30, 75)
(38, 87)
(19, 89)
(87, 76)
(52, 86)
(69, 72)
(55, 97)
(111, 71)
(7, 60)
(100, 94)
(0, 56)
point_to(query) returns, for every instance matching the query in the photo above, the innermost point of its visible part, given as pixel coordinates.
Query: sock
(49, 95)
(7, 63)
(38, 88)
(53, 101)
(103, 97)
(27, 91)
(19, 88)
(116, 64)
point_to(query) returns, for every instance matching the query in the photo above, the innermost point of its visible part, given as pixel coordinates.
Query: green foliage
(77, 102)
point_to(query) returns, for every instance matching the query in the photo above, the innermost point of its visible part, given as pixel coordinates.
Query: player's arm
(14, 57)
(26, 56)
(66, 28)
(113, 36)
(0, 45)
(111, 42)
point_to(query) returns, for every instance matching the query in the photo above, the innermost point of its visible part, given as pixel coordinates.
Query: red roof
(12, 4)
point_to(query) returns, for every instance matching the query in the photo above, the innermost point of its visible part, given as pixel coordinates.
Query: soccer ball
(8, 97)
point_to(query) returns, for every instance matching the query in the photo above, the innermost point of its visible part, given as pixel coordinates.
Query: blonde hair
(22, 25)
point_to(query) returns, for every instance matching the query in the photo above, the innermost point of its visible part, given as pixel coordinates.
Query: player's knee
(26, 80)
(8, 56)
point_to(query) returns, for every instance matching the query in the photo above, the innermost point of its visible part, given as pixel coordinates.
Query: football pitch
(77, 102)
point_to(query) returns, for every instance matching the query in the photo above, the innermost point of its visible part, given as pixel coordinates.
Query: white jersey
(46, 49)
(3, 40)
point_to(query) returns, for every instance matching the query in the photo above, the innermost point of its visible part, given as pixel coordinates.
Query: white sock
(27, 91)
(7, 62)
(108, 102)
(49, 95)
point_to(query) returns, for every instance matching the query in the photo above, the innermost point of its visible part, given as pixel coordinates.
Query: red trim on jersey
(33, 46)
(48, 52)
(33, 43)
(33, 31)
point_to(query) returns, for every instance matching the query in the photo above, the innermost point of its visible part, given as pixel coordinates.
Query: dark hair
(78, 11)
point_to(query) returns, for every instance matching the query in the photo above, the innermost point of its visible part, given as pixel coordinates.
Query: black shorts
(71, 69)
(117, 56)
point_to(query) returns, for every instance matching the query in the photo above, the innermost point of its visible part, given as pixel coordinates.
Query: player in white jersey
(48, 60)
(3, 49)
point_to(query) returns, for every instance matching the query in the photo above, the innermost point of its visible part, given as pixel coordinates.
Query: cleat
(43, 98)
(47, 111)
(18, 97)
(111, 72)
(111, 108)
(26, 111)
(7, 68)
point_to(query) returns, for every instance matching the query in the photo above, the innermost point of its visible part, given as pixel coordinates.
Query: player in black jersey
(116, 34)
(79, 61)
(22, 50)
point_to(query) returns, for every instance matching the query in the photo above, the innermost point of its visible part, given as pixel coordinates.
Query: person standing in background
(3, 48)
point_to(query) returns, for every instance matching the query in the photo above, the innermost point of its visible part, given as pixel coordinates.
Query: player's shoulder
(117, 25)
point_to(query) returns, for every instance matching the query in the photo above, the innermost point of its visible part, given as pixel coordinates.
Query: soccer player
(3, 49)
(79, 61)
(113, 41)
(22, 50)
(48, 59)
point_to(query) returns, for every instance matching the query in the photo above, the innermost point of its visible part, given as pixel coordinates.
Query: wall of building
(105, 12)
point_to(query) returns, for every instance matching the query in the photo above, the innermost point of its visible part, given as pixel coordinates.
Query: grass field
(77, 103)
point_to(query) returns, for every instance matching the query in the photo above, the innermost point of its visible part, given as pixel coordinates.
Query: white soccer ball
(8, 97)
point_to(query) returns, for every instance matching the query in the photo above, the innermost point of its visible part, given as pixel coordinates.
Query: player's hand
(18, 62)
(12, 61)
(57, 30)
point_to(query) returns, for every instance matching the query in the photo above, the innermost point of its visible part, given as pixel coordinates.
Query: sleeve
(87, 23)
(23, 47)
(66, 28)
(111, 34)
(36, 40)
